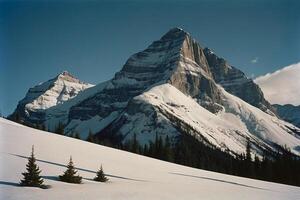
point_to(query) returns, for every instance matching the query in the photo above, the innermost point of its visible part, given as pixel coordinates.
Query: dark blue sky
(93, 39)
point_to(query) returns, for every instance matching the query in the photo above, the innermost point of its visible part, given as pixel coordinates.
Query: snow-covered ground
(131, 176)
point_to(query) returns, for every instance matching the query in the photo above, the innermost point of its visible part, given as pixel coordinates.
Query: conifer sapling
(69, 175)
(100, 176)
(32, 175)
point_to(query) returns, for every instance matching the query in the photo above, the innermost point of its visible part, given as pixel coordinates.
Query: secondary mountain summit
(173, 87)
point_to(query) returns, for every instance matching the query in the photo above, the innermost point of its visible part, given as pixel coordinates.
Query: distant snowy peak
(55, 91)
(282, 86)
(45, 95)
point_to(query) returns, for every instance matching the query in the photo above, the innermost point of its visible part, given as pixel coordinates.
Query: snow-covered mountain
(131, 176)
(54, 92)
(176, 86)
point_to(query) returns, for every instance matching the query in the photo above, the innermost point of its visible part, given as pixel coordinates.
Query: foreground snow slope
(131, 176)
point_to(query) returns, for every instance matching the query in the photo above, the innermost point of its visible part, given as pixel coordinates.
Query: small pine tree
(90, 137)
(76, 135)
(17, 118)
(32, 176)
(134, 145)
(69, 175)
(248, 150)
(100, 176)
(168, 156)
(59, 129)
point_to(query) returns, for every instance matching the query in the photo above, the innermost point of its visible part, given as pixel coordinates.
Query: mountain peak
(67, 76)
(38, 99)
(175, 33)
(65, 73)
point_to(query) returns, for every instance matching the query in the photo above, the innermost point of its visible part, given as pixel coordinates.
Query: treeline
(281, 167)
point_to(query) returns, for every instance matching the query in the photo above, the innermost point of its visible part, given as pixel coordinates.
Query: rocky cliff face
(236, 82)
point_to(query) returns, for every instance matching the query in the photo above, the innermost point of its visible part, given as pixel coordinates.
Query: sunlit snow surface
(131, 176)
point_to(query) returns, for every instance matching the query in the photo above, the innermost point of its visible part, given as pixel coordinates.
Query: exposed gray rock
(236, 82)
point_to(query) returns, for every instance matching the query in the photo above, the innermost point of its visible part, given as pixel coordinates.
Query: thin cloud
(254, 60)
(282, 86)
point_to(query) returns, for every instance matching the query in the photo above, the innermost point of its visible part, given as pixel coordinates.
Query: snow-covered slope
(46, 95)
(164, 109)
(283, 86)
(131, 176)
(60, 112)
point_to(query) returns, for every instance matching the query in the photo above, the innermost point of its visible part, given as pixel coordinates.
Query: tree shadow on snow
(53, 178)
(9, 183)
(219, 180)
(78, 168)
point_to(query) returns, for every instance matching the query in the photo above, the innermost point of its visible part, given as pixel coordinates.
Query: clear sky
(93, 39)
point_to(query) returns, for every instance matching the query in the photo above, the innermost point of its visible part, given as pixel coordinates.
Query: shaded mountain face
(175, 86)
(32, 108)
(289, 113)
(236, 82)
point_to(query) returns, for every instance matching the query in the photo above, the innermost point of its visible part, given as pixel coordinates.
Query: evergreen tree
(100, 176)
(134, 144)
(90, 137)
(17, 118)
(168, 155)
(32, 176)
(76, 135)
(69, 175)
(59, 129)
(43, 127)
(248, 150)
(146, 150)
